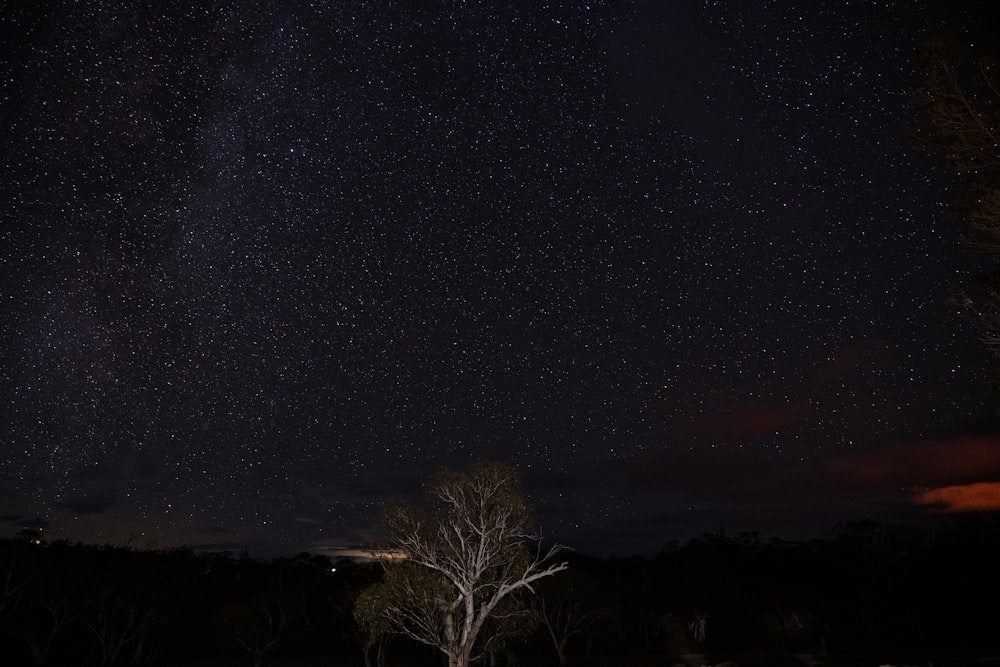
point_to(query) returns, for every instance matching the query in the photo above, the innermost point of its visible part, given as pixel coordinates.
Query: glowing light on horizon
(978, 497)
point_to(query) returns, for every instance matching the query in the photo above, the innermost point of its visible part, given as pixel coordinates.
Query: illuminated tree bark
(452, 567)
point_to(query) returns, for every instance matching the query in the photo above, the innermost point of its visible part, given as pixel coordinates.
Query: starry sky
(265, 265)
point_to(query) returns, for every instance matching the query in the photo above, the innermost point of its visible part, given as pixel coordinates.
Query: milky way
(265, 266)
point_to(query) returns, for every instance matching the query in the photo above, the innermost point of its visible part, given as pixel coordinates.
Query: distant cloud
(124, 463)
(219, 547)
(932, 463)
(87, 504)
(380, 484)
(979, 497)
(21, 521)
(723, 469)
(844, 360)
(747, 421)
(333, 551)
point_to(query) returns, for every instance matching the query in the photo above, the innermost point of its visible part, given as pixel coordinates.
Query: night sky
(265, 265)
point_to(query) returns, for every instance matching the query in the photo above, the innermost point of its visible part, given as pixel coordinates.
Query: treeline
(871, 592)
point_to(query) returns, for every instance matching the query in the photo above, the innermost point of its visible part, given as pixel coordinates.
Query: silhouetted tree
(374, 636)
(119, 623)
(18, 571)
(258, 624)
(568, 606)
(960, 91)
(50, 612)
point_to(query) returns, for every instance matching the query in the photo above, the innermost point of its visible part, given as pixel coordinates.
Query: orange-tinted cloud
(936, 463)
(979, 497)
(700, 468)
(750, 420)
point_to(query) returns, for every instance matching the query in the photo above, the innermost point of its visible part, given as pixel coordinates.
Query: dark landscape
(871, 594)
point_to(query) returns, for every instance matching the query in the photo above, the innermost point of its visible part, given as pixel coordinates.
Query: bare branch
(464, 561)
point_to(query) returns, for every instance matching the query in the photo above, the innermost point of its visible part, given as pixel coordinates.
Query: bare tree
(961, 105)
(451, 567)
(961, 96)
(697, 625)
(570, 605)
(118, 623)
(51, 613)
(18, 574)
(258, 625)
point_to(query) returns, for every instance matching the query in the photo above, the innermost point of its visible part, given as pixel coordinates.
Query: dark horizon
(927, 524)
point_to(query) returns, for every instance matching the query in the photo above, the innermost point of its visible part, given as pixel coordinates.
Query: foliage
(422, 589)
